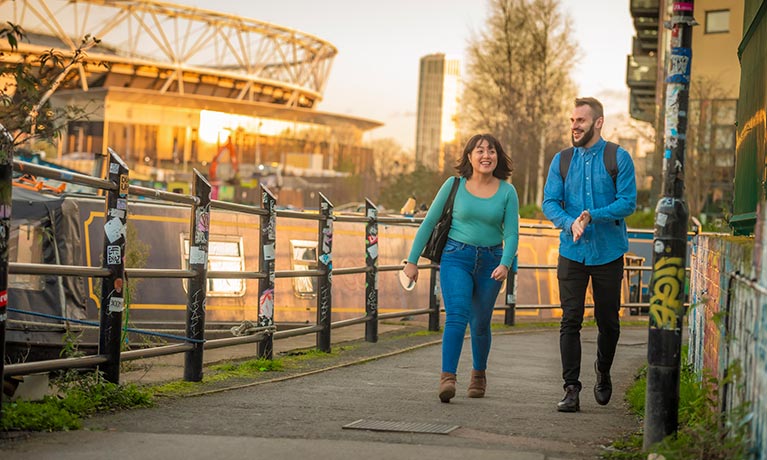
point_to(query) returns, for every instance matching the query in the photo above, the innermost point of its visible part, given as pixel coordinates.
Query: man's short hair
(593, 103)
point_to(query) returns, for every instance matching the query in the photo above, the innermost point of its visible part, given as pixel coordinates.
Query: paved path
(302, 418)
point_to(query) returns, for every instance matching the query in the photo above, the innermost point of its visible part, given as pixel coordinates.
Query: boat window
(304, 257)
(225, 254)
(26, 247)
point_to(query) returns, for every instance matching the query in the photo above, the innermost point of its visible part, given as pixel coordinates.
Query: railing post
(198, 285)
(6, 188)
(325, 265)
(510, 317)
(266, 257)
(113, 258)
(433, 300)
(371, 276)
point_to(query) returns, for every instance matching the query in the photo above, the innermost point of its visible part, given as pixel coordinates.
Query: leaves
(27, 85)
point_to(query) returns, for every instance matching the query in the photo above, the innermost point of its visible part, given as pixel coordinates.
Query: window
(304, 257)
(718, 21)
(26, 247)
(224, 255)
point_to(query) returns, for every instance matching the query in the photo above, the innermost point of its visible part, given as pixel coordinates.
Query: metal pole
(113, 258)
(667, 286)
(510, 317)
(198, 285)
(371, 277)
(6, 193)
(325, 264)
(266, 257)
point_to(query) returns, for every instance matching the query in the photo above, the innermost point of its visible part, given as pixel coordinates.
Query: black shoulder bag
(438, 238)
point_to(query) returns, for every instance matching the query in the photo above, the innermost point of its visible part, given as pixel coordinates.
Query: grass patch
(80, 396)
(703, 434)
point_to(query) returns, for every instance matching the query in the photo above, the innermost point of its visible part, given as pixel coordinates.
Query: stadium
(172, 88)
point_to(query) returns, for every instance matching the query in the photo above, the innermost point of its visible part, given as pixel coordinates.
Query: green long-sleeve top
(477, 221)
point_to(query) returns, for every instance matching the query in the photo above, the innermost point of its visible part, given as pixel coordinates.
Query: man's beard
(585, 139)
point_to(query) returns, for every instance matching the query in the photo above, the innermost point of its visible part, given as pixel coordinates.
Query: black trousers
(606, 285)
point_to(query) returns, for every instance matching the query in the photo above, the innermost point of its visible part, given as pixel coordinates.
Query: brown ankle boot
(477, 384)
(446, 386)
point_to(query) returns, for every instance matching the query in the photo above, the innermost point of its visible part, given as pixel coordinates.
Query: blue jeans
(469, 294)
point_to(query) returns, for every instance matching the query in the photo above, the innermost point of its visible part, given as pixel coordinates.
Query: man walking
(589, 191)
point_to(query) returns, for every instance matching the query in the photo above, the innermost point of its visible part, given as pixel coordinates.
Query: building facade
(436, 131)
(714, 82)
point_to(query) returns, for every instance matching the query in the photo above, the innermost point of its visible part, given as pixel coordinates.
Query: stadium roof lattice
(174, 49)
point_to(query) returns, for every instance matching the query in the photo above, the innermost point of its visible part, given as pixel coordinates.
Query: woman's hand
(500, 273)
(411, 271)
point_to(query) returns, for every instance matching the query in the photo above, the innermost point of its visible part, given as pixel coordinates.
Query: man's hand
(579, 225)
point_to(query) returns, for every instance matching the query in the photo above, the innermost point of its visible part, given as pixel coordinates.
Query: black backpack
(610, 159)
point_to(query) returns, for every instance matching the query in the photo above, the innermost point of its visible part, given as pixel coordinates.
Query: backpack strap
(565, 156)
(610, 159)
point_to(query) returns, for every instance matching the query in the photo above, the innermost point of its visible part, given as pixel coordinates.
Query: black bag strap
(448, 207)
(610, 159)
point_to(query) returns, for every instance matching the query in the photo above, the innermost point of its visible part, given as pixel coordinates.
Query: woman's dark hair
(502, 170)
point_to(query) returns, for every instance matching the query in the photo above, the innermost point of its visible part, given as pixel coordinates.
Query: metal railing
(113, 273)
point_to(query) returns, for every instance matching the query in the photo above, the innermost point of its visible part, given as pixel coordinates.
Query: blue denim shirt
(589, 186)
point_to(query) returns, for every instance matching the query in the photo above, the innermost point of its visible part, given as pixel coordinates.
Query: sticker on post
(116, 304)
(269, 251)
(114, 229)
(124, 185)
(114, 255)
(122, 203)
(114, 168)
(119, 213)
(197, 256)
(661, 219)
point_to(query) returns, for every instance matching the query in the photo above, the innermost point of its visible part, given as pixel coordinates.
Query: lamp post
(667, 287)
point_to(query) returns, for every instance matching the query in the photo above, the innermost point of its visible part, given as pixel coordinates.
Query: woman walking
(481, 246)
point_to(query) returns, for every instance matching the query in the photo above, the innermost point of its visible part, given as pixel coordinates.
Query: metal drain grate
(404, 427)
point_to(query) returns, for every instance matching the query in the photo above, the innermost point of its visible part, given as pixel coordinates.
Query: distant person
(409, 207)
(589, 191)
(481, 245)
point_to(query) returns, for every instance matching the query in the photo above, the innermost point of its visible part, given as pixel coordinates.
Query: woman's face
(483, 158)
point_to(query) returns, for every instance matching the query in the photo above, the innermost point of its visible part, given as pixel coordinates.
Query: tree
(710, 147)
(26, 87)
(423, 183)
(519, 87)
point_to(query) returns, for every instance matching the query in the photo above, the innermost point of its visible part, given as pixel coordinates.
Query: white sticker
(197, 256)
(114, 255)
(3, 317)
(114, 168)
(661, 219)
(119, 213)
(116, 304)
(269, 251)
(122, 203)
(373, 250)
(659, 246)
(114, 229)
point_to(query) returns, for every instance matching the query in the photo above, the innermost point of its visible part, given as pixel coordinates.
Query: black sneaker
(603, 390)
(571, 402)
